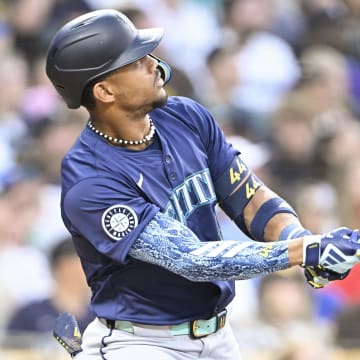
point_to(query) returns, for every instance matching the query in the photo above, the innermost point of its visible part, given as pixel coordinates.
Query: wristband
(266, 211)
(293, 231)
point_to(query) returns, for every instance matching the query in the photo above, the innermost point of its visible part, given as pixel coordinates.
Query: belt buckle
(193, 331)
(220, 323)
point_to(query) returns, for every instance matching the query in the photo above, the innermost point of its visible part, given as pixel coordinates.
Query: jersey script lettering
(197, 190)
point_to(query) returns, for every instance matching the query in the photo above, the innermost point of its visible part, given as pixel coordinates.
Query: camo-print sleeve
(168, 243)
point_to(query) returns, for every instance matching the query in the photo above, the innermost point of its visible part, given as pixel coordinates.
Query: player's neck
(130, 132)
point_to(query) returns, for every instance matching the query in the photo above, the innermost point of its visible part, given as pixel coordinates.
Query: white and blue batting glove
(338, 251)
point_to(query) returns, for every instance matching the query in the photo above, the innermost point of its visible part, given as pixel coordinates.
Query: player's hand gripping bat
(67, 333)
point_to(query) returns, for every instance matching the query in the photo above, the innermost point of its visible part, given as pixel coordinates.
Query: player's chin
(161, 99)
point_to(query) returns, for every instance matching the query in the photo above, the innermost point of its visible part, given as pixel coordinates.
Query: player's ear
(102, 91)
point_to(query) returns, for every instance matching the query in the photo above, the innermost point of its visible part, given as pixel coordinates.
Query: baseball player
(139, 188)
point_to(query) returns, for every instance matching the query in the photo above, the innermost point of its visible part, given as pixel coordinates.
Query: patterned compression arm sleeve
(168, 243)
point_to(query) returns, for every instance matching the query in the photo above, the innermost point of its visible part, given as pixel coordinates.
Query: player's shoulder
(87, 158)
(184, 103)
(185, 109)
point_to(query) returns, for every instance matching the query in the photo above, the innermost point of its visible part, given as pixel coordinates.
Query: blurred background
(282, 78)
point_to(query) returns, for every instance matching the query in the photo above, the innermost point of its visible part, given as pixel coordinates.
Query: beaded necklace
(144, 140)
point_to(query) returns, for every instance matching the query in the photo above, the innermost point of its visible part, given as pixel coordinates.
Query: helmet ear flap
(164, 68)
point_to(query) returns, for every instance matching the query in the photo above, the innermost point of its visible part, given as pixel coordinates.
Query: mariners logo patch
(118, 221)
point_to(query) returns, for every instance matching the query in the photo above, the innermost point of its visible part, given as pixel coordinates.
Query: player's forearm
(171, 245)
(276, 223)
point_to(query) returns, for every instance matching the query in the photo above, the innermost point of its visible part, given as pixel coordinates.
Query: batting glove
(337, 251)
(67, 333)
(319, 277)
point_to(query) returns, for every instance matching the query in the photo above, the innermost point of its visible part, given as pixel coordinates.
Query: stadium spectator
(348, 327)
(324, 33)
(13, 73)
(218, 87)
(263, 84)
(24, 269)
(69, 294)
(285, 317)
(192, 32)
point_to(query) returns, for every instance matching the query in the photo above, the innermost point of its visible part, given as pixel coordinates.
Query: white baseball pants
(155, 343)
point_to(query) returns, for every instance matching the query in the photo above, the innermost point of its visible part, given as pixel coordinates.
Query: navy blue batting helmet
(94, 44)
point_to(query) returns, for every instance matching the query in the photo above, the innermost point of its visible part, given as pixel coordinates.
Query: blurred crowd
(282, 78)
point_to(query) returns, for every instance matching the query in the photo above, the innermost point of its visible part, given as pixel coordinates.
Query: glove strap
(311, 250)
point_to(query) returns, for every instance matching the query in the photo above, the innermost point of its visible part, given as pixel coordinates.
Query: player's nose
(153, 63)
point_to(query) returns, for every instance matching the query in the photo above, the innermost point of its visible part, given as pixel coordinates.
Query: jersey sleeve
(219, 151)
(108, 213)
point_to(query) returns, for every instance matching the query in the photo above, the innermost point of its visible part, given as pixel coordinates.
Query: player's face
(139, 85)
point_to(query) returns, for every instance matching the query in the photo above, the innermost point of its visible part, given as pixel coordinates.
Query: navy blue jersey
(109, 195)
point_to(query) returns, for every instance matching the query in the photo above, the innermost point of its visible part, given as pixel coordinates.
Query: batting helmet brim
(144, 43)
